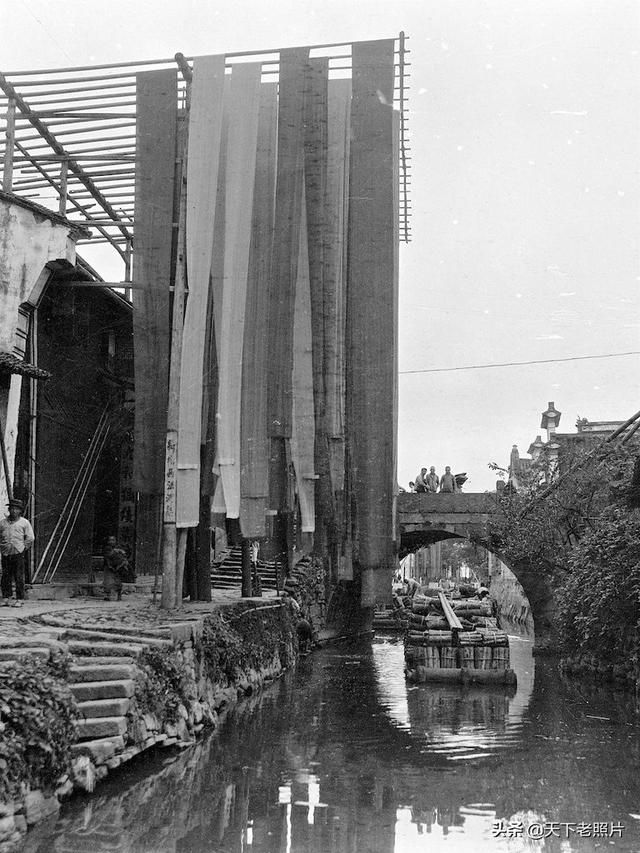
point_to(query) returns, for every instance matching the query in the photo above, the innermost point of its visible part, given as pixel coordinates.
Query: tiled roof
(11, 364)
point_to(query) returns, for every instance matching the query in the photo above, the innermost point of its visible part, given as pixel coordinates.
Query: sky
(524, 122)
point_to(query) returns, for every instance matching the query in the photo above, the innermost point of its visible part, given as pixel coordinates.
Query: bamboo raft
(440, 648)
(391, 617)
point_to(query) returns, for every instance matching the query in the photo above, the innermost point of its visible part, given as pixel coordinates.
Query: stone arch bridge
(423, 519)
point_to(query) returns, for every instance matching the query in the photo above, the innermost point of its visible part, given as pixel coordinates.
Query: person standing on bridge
(433, 481)
(421, 481)
(448, 482)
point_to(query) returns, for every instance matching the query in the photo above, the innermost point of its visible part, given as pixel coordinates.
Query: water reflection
(340, 757)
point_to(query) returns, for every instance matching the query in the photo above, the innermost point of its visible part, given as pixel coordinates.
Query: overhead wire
(519, 363)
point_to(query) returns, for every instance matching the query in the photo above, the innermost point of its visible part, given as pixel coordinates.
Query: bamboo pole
(120, 126)
(5, 463)
(245, 546)
(63, 98)
(634, 429)
(62, 201)
(170, 539)
(54, 93)
(10, 135)
(60, 522)
(623, 427)
(80, 111)
(108, 238)
(124, 157)
(65, 120)
(58, 148)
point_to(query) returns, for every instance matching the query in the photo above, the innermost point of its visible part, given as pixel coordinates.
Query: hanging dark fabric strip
(286, 239)
(315, 180)
(254, 450)
(335, 260)
(371, 333)
(156, 99)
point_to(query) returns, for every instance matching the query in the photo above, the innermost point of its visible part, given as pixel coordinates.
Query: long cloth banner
(205, 127)
(303, 421)
(156, 100)
(371, 299)
(335, 261)
(286, 239)
(254, 450)
(240, 168)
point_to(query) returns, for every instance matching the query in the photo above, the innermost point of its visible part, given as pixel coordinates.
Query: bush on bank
(585, 535)
(243, 639)
(232, 645)
(599, 602)
(37, 727)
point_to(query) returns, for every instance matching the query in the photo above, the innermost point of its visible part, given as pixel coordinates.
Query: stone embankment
(623, 674)
(121, 684)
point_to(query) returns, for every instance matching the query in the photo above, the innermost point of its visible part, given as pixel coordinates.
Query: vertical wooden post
(181, 551)
(5, 463)
(246, 568)
(169, 529)
(128, 252)
(10, 136)
(64, 174)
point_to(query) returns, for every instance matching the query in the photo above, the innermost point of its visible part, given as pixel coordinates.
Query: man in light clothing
(432, 480)
(16, 537)
(448, 481)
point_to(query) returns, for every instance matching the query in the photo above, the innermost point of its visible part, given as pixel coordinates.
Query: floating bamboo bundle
(493, 638)
(470, 638)
(430, 621)
(482, 657)
(471, 608)
(467, 658)
(428, 638)
(432, 657)
(485, 622)
(448, 657)
(500, 657)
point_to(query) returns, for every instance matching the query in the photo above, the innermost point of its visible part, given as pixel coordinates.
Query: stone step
(90, 691)
(104, 708)
(101, 749)
(94, 671)
(101, 660)
(162, 633)
(14, 653)
(101, 727)
(106, 649)
(107, 637)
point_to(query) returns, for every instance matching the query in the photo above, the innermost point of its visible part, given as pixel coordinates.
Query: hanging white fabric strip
(205, 125)
(303, 421)
(255, 443)
(242, 111)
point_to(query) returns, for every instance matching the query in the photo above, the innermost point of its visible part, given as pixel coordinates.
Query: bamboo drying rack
(68, 136)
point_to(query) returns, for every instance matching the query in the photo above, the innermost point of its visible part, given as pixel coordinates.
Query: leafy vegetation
(245, 639)
(584, 532)
(37, 727)
(161, 684)
(461, 552)
(599, 605)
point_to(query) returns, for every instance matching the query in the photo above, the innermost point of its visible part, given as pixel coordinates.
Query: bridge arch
(424, 519)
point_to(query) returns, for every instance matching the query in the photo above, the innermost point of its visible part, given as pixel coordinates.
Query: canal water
(342, 756)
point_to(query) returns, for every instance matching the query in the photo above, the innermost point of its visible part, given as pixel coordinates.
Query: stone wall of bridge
(424, 519)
